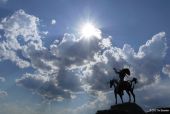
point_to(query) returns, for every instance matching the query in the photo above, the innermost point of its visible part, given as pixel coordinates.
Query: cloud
(53, 21)
(101, 102)
(21, 24)
(44, 86)
(58, 64)
(3, 93)
(144, 64)
(22, 45)
(75, 64)
(2, 79)
(39, 57)
(72, 63)
(63, 85)
(156, 95)
(73, 50)
(20, 29)
(166, 70)
(154, 46)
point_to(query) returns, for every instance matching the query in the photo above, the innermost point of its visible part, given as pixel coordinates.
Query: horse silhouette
(128, 86)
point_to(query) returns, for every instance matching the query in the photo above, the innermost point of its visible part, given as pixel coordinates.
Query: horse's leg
(133, 95)
(115, 97)
(121, 97)
(128, 95)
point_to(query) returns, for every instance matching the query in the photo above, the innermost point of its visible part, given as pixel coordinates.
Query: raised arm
(115, 71)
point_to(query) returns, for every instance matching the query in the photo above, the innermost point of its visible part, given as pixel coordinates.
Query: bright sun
(88, 30)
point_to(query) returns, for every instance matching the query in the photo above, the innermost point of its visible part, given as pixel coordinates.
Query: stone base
(125, 108)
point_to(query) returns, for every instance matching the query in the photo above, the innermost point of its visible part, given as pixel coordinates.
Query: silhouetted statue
(128, 86)
(122, 73)
(121, 85)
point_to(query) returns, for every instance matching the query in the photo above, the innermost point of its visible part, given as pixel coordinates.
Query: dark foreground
(132, 108)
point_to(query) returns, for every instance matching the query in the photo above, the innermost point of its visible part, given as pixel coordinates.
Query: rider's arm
(116, 71)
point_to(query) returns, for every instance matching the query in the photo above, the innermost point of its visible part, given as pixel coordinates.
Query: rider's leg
(120, 88)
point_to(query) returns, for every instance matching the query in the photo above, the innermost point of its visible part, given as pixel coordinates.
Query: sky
(56, 56)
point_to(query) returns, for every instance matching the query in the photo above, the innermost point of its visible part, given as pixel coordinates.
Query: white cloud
(145, 64)
(21, 24)
(154, 46)
(20, 29)
(2, 79)
(166, 70)
(3, 93)
(53, 21)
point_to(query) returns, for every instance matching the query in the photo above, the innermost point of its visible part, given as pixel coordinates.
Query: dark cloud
(43, 86)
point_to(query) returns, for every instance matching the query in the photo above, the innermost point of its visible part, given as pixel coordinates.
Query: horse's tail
(133, 84)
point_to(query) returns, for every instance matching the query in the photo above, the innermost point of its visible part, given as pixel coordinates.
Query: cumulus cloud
(144, 64)
(53, 21)
(75, 64)
(166, 70)
(19, 29)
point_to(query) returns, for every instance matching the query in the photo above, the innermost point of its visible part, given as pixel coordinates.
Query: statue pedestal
(125, 108)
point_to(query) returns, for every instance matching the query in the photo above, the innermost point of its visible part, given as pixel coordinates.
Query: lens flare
(88, 30)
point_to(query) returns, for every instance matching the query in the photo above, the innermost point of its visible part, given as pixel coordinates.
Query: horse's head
(113, 82)
(135, 80)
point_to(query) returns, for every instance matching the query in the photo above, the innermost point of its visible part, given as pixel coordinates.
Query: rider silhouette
(122, 73)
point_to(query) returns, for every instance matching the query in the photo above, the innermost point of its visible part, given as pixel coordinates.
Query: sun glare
(88, 30)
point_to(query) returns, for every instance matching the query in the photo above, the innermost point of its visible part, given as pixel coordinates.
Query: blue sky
(49, 67)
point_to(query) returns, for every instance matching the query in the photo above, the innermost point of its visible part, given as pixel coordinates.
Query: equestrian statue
(121, 85)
